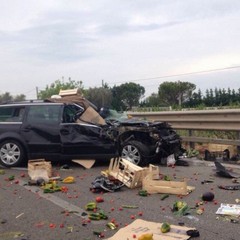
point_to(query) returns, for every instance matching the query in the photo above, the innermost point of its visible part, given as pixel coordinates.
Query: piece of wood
(151, 185)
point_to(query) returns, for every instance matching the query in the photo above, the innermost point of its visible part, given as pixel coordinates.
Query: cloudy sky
(118, 41)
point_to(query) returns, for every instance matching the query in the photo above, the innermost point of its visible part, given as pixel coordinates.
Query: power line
(180, 74)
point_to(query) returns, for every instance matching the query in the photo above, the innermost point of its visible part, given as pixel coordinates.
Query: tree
(152, 101)
(7, 97)
(54, 88)
(127, 95)
(19, 98)
(175, 93)
(100, 97)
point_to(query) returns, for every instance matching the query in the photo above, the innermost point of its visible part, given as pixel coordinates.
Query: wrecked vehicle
(141, 141)
(69, 127)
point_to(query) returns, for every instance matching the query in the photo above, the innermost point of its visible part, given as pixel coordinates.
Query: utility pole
(37, 92)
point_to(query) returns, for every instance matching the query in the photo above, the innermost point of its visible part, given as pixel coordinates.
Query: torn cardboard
(85, 163)
(139, 226)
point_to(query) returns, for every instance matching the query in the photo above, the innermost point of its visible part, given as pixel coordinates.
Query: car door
(83, 139)
(40, 129)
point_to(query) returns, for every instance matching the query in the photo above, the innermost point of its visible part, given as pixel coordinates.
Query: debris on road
(39, 168)
(102, 183)
(69, 179)
(180, 208)
(229, 209)
(223, 172)
(139, 227)
(153, 185)
(229, 187)
(128, 173)
(165, 227)
(85, 163)
(208, 196)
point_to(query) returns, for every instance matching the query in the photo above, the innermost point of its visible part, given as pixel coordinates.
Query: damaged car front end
(143, 142)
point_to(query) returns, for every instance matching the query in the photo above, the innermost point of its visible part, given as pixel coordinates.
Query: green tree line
(128, 95)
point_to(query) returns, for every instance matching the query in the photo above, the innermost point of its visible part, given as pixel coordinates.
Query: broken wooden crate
(39, 168)
(152, 184)
(126, 172)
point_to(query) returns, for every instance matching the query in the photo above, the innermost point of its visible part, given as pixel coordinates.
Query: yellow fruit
(68, 180)
(146, 236)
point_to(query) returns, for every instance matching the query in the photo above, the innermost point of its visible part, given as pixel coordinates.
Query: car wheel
(11, 153)
(135, 152)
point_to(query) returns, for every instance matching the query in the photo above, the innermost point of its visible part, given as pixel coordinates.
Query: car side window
(12, 114)
(45, 114)
(70, 111)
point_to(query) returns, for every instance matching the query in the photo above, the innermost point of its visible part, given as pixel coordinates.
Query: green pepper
(91, 206)
(164, 196)
(48, 190)
(102, 214)
(94, 216)
(167, 178)
(10, 178)
(143, 193)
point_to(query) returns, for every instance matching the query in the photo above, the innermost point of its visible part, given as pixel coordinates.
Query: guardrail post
(190, 134)
(238, 147)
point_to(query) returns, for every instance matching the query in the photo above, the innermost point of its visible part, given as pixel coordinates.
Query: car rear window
(12, 114)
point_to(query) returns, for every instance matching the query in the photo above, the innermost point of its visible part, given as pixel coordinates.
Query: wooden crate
(126, 172)
(39, 164)
(151, 185)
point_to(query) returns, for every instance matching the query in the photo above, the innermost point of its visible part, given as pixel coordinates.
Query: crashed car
(139, 141)
(142, 142)
(70, 128)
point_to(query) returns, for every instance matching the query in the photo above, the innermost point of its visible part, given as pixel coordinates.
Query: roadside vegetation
(130, 96)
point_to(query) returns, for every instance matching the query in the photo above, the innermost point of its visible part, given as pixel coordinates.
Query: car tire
(12, 153)
(135, 152)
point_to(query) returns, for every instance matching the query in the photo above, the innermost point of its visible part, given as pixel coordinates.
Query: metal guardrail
(221, 120)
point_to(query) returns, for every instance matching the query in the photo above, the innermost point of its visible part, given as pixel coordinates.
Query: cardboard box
(139, 227)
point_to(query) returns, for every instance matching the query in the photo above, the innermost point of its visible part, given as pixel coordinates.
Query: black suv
(70, 128)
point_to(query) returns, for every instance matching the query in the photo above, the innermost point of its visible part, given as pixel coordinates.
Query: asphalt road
(27, 213)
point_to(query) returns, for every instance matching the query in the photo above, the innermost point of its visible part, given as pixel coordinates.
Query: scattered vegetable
(208, 196)
(180, 208)
(99, 199)
(164, 196)
(165, 227)
(146, 236)
(91, 206)
(142, 193)
(69, 179)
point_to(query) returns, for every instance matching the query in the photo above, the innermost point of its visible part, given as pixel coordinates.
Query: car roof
(29, 103)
